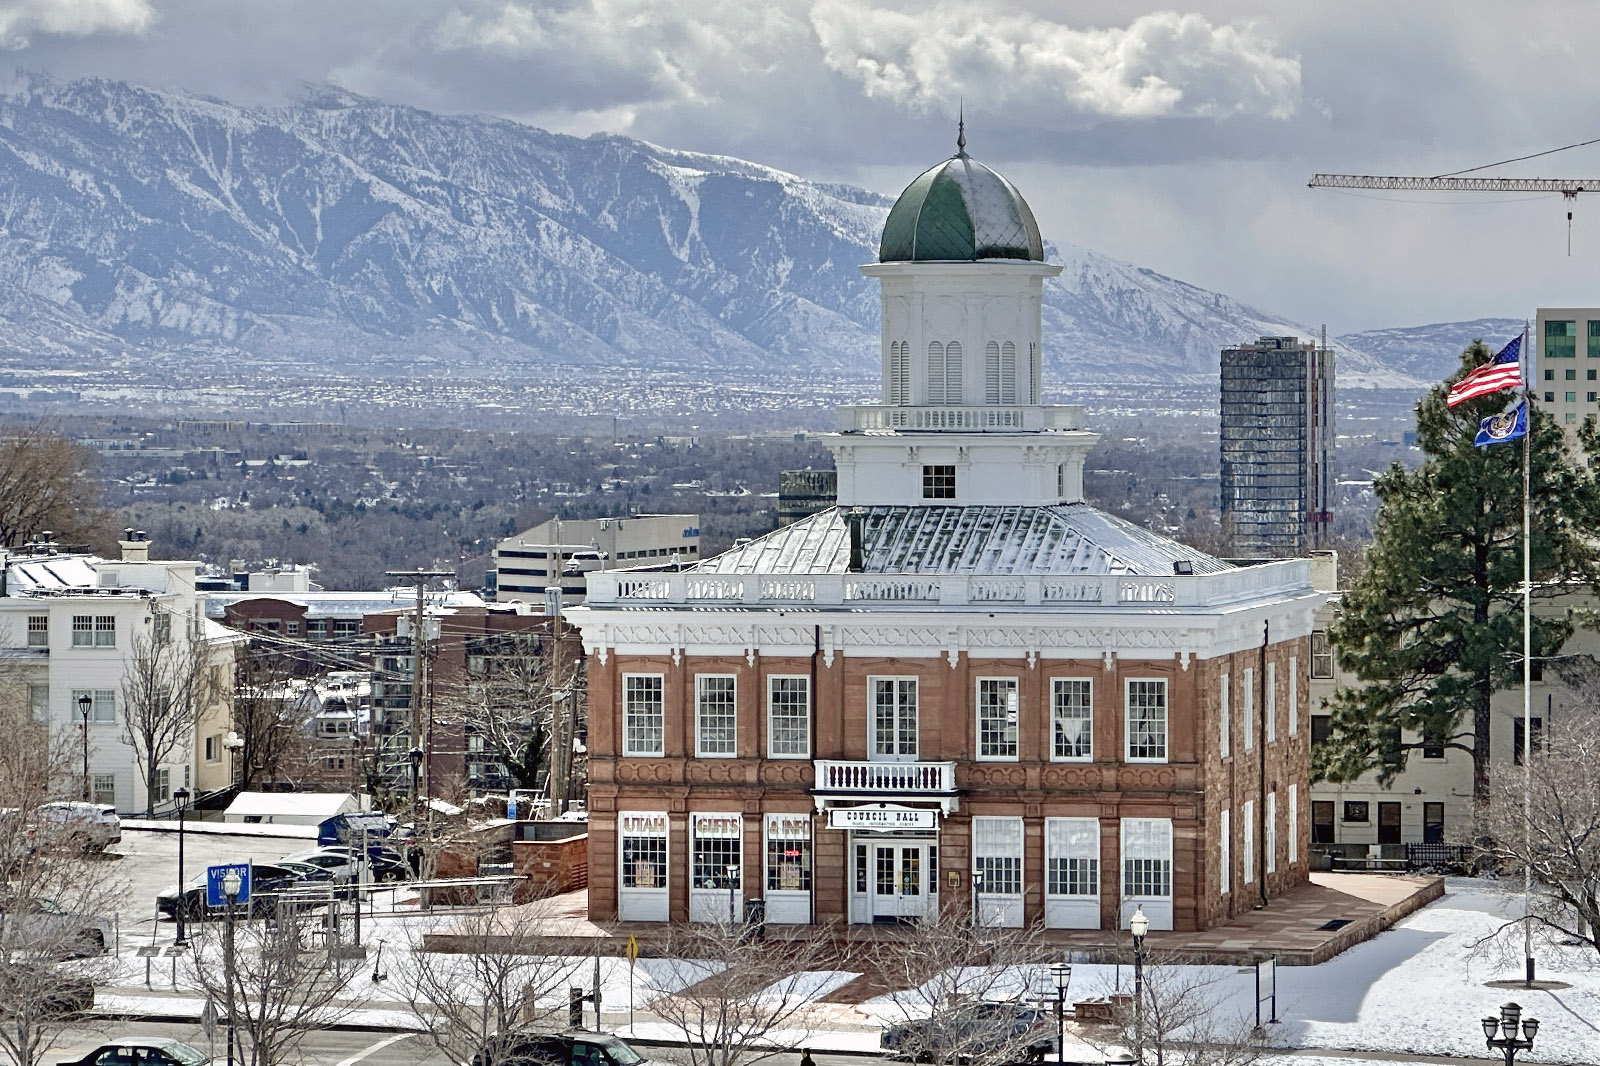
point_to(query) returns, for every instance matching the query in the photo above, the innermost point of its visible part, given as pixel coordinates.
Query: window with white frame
(788, 852)
(1072, 719)
(1294, 695)
(643, 714)
(1247, 850)
(105, 631)
(1147, 720)
(1321, 654)
(83, 631)
(1072, 856)
(1247, 710)
(997, 718)
(1224, 717)
(1224, 855)
(717, 850)
(1294, 824)
(789, 717)
(39, 702)
(1146, 858)
(714, 715)
(997, 854)
(163, 783)
(644, 849)
(894, 717)
(104, 789)
(38, 631)
(1272, 703)
(161, 629)
(102, 705)
(1269, 839)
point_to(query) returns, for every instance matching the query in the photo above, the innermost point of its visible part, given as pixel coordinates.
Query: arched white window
(899, 373)
(1035, 391)
(991, 372)
(935, 372)
(952, 373)
(1008, 373)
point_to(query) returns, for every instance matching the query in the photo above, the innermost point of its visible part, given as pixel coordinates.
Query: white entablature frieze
(1160, 636)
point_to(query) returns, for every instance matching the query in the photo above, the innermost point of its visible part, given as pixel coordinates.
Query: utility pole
(421, 719)
(563, 701)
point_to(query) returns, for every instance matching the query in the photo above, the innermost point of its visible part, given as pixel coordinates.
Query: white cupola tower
(961, 420)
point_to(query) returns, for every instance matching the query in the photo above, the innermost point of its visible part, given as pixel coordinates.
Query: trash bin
(755, 918)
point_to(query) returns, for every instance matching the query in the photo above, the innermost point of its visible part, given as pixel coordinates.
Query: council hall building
(961, 686)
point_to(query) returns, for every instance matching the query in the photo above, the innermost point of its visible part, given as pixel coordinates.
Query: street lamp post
(415, 755)
(231, 884)
(1138, 925)
(977, 898)
(1062, 972)
(1507, 1024)
(85, 705)
(181, 798)
(234, 743)
(733, 888)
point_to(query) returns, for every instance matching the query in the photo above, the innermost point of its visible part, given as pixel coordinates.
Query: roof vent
(857, 550)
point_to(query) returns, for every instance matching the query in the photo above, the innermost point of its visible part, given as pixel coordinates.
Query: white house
(69, 629)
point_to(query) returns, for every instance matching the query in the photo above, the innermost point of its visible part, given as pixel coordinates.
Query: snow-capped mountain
(1432, 353)
(342, 231)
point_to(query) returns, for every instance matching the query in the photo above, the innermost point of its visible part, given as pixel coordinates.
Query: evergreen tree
(1432, 627)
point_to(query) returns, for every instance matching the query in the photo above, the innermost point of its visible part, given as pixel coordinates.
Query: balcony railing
(991, 418)
(904, 778)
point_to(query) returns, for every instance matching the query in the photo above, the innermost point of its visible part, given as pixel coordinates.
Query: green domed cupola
(960, 210)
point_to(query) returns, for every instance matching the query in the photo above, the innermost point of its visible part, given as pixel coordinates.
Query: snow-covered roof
(346, 604)
(290, 804)
(1071, 538)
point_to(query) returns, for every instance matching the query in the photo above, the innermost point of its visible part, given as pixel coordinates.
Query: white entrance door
(901, 879)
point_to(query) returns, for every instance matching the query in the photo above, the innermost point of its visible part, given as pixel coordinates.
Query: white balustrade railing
(990, 418)
(909, 778)
(1129, 592)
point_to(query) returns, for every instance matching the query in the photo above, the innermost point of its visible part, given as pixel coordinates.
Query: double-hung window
(997, 718)
(1272, 703)
(1224, 718)
(1072, 719)
(1147, 720)
(82, 631)
(643, 715)
(714, 715)
(105, 631)
(1146, 858)
(38, 631)
(789, 717)
(894, 718)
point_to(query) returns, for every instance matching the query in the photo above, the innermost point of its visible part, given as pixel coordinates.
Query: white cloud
(20, 19)
(1163, 64)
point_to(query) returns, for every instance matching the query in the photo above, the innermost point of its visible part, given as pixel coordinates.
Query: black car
(574, 1048)
(1027, 1034)
(58, 994)
(268, 883)
(142, 1051)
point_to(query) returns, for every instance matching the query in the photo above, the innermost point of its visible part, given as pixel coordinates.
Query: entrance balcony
(901, 780)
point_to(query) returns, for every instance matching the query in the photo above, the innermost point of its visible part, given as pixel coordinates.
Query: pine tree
(1432, 627)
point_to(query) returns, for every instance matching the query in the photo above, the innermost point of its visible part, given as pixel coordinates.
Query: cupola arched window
(944, 373)
(899, 373)
(1000, 372)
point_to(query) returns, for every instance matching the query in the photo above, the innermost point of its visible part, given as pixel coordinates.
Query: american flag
(1504, 371)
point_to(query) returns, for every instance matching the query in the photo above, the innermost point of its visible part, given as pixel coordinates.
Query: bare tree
(730, 992)
(53, 896)
(1181, 1016)
(271, 723)
(1554, 828)
(45, 485)
(271, 979)
(504, 700)
(497, 981)
(959, 988)
(168, 683)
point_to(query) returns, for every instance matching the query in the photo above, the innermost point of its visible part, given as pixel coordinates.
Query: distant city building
(1568, 340)
(802, 493)
(525, 563)
(1277, 446)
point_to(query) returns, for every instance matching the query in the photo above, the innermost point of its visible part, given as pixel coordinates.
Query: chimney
(135, 547)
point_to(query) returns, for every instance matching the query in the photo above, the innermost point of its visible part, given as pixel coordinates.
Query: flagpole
(1527, 659)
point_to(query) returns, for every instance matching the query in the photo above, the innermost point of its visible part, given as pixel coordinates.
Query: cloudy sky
(1178, 138)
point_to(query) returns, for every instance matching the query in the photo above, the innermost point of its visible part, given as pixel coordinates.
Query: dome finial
(961, 128)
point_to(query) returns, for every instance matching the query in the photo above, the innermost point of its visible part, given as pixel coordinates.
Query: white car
(43, 925)
(90, 826)
(339, 863)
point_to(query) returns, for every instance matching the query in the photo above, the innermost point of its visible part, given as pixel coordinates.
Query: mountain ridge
(336, 230)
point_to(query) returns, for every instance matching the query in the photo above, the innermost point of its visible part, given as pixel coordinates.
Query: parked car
(575, 1048)
(973, 1029)
(268, 882)
(383, 863)
(142, 1051)
(44, 926)
(339, 862)
(90, 826)
(60, 993)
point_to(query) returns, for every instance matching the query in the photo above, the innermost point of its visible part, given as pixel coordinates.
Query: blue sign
(215, 896)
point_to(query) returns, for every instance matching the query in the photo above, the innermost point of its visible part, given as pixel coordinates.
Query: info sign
(883, 817)
(215, 875)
